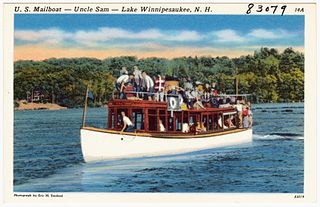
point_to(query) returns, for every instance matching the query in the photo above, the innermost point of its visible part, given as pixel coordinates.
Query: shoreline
(37, 106)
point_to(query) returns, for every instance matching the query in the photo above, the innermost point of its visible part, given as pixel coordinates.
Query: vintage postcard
(160, 102)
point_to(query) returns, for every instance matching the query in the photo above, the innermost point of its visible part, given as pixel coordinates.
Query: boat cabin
(146, 116)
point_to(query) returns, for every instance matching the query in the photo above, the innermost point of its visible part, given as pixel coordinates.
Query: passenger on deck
(207, 92)
(189, 98)
(239, 108)
(123, 71)
(214, 92)
(188, 84)
(120, 84)
(200, 127)
(159, 88)
(172, 91)
(203, 128)
(185, 128)
(162, 128)
(220, 123)
(182, 96)
(137, 79)
(250, 114)
(245, 114)
(127, 124)
(230, 121)
(199, 89)
(198, 104)
(226, 105)
(129, 90)
(148, 85)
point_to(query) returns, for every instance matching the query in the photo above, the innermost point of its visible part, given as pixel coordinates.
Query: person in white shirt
(148, 84)
(220, 123)
(188, 84)
(185, 128)
(162, 128)
(127, 123)
(123, 71)
(121, 81)
(120, 84)
(137, 79)
(239, 108)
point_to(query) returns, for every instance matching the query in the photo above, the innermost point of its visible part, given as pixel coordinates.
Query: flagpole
(85, 108)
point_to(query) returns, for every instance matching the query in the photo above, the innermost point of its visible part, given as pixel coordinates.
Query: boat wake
(277, 136)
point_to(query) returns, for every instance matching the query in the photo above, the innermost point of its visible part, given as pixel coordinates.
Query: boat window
(178, 121)
(204, 120)
(217, 121)
(162, 117)
(170, 123)
(137, 119)
(210, 122)
(229, 121)
(185, 117)
(152, 112)
(152, 117)
(192, 120)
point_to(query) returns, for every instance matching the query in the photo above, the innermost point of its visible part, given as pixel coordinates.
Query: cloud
(271, 34)
(264, 34)
(103, 34)
(185, 36)
(49, 36)
(228, 35)
(106, 34)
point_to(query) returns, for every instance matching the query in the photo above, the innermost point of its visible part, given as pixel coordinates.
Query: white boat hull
(97, 145)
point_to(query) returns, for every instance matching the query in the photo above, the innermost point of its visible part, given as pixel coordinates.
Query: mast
(237, 86)
(85, 108)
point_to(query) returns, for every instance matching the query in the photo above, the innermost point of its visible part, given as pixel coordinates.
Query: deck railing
(163, 97)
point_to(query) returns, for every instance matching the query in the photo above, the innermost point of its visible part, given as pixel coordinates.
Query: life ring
(173, 103)
(215, 102)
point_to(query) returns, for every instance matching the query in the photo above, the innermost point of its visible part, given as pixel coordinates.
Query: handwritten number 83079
(267, 9)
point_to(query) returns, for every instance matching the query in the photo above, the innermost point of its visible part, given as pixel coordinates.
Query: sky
(44, 36)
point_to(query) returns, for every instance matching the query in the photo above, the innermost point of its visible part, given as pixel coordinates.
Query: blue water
(47, 158)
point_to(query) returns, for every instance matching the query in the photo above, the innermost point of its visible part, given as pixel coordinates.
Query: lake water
(47, 158)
